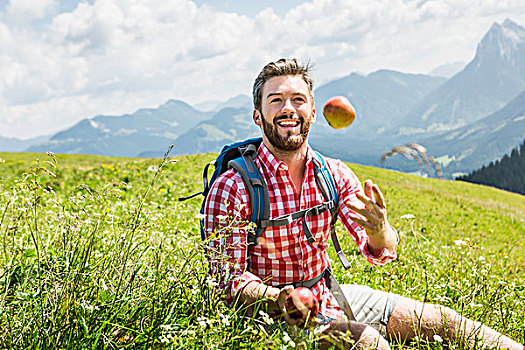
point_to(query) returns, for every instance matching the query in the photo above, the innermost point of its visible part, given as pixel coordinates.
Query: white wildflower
(167, 331)
(266, 318)
(481, 258)
(288, 340)
(202, 322)
(408, 216)
(225, 319)
(438, 338)
(286, 337)
(153, 168)
(90, 307)
(166, 338)
(212, 282)
(460, 242)
(166, 327)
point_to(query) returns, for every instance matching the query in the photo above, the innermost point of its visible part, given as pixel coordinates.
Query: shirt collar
(273, 164)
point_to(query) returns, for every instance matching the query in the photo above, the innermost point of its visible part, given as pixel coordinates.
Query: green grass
(96, 252)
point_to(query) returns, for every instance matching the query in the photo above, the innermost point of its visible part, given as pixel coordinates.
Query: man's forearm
(255, 291)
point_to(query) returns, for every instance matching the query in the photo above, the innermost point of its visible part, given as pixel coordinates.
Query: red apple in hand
(301, 299)
(338, 112)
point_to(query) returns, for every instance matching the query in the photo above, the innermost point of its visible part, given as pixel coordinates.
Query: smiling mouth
(288, 122)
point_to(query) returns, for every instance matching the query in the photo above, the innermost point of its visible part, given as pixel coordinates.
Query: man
(284, 109)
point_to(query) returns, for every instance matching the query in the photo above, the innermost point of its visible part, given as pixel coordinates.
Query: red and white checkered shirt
(283, 254)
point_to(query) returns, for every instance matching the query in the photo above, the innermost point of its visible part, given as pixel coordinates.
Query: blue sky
(65, 60)
(245, 7)
(251, 8)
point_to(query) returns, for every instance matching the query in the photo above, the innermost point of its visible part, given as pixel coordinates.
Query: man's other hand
(297, 310)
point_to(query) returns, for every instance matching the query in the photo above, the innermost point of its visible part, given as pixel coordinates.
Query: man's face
(287, 112)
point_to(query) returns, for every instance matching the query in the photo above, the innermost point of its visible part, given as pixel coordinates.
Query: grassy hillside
(97, 252)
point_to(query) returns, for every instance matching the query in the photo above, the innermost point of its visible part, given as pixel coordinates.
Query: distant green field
(97, 252)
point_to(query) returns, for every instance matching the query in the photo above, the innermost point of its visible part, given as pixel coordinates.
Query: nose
(288, 107)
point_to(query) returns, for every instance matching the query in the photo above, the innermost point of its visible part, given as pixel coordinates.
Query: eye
(275, 100)
(299, 99)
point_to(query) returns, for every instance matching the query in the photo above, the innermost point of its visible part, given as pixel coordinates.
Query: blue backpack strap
(220, 164)
(327, 185)
(256, 187)
(324, 179)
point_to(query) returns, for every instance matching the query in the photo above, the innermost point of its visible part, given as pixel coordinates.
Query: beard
(288, 142)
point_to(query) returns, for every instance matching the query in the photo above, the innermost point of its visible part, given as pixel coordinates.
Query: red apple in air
(338, 112)
(302, 296)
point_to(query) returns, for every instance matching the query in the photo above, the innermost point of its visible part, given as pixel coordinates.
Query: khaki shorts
(370, 306)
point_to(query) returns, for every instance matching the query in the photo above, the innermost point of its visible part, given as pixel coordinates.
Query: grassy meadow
(97, 252)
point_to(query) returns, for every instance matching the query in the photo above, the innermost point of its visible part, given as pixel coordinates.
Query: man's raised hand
(373, 216)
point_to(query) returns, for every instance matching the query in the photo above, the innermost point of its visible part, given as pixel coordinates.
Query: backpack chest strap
(287, 219)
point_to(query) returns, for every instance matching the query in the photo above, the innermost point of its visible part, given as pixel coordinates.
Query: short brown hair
(284, 66)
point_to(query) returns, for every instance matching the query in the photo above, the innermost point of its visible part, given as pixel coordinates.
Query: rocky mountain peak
(502, 42)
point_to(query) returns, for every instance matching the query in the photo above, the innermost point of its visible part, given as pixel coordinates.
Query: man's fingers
(366, 213)
(380, 199)
(369, 203)
(284, 292)
(374, 194)
(368, 189)
(363, 223)
(291, 316)
(287, 289)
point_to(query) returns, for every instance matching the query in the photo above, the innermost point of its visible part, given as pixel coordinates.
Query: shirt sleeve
(226, 226)
(348, 186)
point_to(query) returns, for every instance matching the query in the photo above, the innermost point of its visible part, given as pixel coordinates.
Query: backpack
(240, 156)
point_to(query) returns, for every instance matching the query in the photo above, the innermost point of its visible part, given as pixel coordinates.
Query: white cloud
(23, 11)
(114, 56)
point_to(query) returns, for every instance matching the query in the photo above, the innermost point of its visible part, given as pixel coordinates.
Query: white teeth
(288, 123)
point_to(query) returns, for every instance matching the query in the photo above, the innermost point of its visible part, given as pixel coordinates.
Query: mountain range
(127, 135)
(464, 121)
(485, 85)
(8, 144)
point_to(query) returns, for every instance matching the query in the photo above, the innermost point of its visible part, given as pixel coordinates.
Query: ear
(257, 117)
(313, 116)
